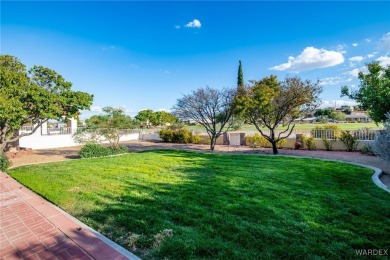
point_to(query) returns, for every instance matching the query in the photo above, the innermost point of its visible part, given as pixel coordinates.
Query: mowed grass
(178, 204)
(342, 126)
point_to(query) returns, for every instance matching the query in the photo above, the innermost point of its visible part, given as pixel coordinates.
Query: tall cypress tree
(240, 80)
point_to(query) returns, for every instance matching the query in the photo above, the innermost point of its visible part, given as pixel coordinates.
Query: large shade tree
(163, 118)
(374, 91)
(270, 103)
(147, 117)
(211, 108)
(33, 98)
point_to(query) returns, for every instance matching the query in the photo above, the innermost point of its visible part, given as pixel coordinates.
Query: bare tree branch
(208, 107)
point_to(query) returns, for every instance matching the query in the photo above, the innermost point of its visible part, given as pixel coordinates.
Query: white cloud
(356, 58)
(311, 58)
(96, 109)
(372, 54)
(194, 24)
(331, 81)
(341, 48)
(384, 61)
(164, 110)
(177, 26)
(355, 44)
(337, 103)
(384, 43)
(368, 40)
(353, 73)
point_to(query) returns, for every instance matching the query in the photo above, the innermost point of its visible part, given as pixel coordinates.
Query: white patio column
(71, 124)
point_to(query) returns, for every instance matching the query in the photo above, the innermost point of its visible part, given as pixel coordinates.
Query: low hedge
(4, 162)
(182, 135)
(96, 150)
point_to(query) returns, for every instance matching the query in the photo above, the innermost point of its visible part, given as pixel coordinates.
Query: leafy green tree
(270, 103)
(112, 125)
(322, 119)
(163, 118)
(323, 112)
(337, 115)
(34, 98)
(374, 91)
(238, 116)
(240, 80)
(211, 108)
(147, 117)
(113, 118)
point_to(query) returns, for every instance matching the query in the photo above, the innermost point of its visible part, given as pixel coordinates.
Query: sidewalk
(32, 228)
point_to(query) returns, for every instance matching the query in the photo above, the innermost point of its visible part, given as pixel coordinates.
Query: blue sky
(140, 55)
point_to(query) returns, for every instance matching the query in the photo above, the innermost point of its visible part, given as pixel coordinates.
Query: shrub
(367, 149)
(196, 139)
(96, 150)
(4, 162)
(309, 142)
(181, 135)
(381, 145)
(328, 143)
(166, 135)
(257, 140)
(281, 143)
(349, 141)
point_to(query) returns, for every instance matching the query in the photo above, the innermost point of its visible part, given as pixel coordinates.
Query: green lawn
(178, 204)
(342, 126)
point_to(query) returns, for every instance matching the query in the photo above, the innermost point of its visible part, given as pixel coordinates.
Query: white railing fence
(363, 135)
(26, 128)
(59, 131)
(97, 130)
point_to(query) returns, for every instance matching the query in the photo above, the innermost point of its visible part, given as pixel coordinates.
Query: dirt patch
(385, 178)
(47, 155)
(68, 153)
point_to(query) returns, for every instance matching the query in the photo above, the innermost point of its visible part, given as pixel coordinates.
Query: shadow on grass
(245, 207)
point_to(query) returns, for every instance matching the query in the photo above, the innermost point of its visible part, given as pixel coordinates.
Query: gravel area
(68, 153)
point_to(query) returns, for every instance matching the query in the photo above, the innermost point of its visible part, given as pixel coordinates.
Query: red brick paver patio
(32, 228)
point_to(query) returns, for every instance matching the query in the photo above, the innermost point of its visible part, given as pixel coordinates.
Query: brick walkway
(32, 228)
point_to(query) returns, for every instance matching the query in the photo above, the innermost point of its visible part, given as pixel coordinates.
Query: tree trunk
(213, 141)
(274, 148)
